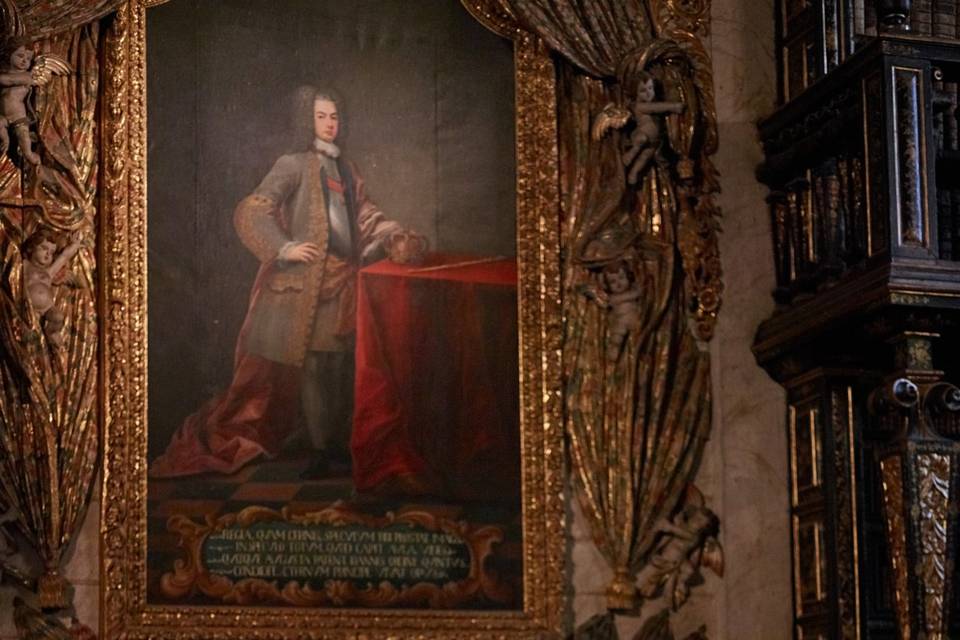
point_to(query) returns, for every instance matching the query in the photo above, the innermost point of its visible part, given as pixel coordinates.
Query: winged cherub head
(646, 87)
(17, 54)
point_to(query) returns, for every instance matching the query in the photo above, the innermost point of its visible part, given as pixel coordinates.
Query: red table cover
(436, 406)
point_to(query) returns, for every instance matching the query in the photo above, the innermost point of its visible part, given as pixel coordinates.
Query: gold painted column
(920, 414)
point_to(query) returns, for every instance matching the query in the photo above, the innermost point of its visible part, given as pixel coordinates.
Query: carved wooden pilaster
(825, 423)
(909, 161)
(847, 519)
(919, 413)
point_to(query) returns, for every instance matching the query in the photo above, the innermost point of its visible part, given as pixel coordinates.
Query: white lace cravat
(326, 148)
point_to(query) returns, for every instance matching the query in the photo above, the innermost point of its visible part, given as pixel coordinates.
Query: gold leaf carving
(49, 440)
(123, 299)
(638, 392)
(933, 493)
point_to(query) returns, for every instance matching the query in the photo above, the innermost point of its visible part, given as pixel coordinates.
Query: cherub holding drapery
(42, 273)
(22, 73)
(645, 140)
(688, 542)
(620, 295)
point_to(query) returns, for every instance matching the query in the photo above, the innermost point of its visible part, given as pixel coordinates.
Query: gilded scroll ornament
(478, 582)
(941, 409)
(48, 433)
(692, 16)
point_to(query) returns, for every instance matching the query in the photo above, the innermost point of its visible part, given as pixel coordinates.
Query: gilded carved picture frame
(127, 610)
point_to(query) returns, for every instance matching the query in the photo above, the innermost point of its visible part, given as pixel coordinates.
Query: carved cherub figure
(21, 72)
(644, 141)
(689, 542)
(620, 294)
(623, 296)
(41, 269)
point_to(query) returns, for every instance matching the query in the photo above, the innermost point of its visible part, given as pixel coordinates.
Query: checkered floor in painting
(277, 484)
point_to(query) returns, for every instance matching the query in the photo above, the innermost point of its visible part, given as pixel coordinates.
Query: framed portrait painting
(331, 322)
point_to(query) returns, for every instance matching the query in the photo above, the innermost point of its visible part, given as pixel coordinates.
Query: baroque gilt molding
(125, 612)
(193, 575)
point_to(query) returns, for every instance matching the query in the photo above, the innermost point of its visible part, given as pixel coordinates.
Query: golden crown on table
(406, 247)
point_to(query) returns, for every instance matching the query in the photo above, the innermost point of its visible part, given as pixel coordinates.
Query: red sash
(334, 185)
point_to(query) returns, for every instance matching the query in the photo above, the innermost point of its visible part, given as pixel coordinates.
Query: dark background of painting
(429, 120)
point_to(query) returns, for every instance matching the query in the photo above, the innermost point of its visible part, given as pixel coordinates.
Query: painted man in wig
(311, 226)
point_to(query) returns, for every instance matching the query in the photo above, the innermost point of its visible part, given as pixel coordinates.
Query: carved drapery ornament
(43, 18)
(642, 277)
(48, 327)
